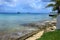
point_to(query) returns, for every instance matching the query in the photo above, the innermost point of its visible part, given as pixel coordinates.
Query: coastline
(40, 33)
(40, 26)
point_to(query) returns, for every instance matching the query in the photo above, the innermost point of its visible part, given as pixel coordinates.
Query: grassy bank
(51, 36)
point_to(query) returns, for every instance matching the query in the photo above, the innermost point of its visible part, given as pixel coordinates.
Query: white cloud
(28, 5)
(10, 3)
(1, 2)
(35, 4)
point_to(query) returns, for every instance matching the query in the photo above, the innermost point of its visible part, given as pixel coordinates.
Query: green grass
(51, 36)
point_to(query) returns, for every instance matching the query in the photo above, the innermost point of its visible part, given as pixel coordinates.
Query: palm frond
(50, 5)
(54, 8)
(53, 0)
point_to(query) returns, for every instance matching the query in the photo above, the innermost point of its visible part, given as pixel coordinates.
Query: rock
(51, 29)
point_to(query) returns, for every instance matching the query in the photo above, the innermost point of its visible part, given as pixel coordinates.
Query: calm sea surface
(13, 21)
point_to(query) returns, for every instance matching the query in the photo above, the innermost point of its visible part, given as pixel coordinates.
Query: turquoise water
(13, 21)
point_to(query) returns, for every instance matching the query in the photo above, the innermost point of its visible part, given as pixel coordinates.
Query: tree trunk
(58, 9)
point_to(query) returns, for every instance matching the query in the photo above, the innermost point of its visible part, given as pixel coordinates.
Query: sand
(36, 36)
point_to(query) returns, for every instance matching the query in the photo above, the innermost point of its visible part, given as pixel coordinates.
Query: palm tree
(55, 5)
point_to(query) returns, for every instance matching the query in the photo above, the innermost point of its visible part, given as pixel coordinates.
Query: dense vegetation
(51, 36)
(55, 5)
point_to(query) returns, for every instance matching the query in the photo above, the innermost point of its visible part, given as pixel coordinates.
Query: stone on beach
(51, 29)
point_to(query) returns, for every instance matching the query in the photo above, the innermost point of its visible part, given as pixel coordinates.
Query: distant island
(18, 12)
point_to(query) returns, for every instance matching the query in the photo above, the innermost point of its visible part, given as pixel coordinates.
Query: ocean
(12, 22)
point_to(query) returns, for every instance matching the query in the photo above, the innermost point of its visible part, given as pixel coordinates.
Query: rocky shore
(43, 25)
(46, 26)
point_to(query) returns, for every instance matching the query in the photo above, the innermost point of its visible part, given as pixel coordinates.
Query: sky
(33, 6)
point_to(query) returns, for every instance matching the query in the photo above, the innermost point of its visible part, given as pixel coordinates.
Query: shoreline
(36, 36)
(38, 25)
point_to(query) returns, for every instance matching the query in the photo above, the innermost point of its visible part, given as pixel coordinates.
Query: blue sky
(37, 6)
